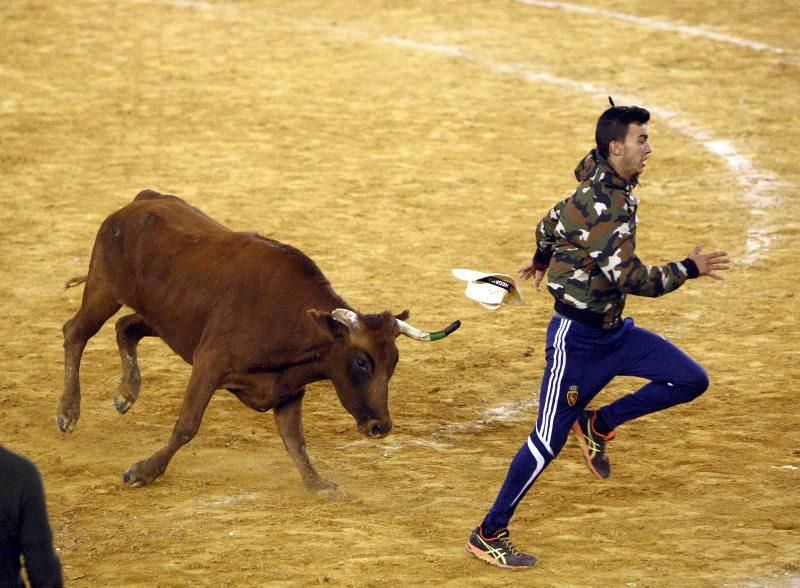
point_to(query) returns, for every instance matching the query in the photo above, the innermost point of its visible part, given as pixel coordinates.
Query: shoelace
(508, 545)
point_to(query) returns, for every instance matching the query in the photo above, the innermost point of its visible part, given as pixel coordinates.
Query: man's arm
(545, 242)
(610, 244)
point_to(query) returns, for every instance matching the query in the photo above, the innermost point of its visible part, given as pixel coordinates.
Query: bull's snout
(374, 428)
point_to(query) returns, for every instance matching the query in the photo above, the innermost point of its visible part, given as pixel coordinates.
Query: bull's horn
(418, 335)
(347, 318)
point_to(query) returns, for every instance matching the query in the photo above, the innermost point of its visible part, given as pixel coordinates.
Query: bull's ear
(328, 325)
(403, 315)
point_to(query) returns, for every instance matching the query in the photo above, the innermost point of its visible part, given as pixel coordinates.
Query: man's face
(631, 154)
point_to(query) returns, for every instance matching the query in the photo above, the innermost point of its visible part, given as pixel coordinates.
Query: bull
(251, 315)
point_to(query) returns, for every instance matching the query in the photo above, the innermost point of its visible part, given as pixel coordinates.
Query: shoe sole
(587, 455)
(475, 552)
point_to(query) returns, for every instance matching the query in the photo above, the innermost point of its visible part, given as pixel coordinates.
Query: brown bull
(251, 315)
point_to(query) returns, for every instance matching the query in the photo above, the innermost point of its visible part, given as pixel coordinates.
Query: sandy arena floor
(393, 141)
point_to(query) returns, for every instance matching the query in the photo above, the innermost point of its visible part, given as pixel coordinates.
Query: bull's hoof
(123, 402)
(66, 419)
(333, 494)
(127, 393)
(326, 489)
(135, 477)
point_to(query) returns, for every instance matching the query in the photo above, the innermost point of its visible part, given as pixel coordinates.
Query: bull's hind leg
(205, 379)
(289, 418)
(130, 330)
(96, 308)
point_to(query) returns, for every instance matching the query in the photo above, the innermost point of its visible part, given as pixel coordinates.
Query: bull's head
(363, 358)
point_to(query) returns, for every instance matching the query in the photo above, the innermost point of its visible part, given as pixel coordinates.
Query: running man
(586, 244)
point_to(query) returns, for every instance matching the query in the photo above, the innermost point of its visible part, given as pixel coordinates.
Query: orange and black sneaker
(498, 550)
(593, 444)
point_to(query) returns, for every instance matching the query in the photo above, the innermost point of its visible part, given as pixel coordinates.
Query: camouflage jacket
(587, 244)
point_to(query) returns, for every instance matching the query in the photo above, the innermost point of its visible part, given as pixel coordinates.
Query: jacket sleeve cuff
(541, 259)
(691, 268)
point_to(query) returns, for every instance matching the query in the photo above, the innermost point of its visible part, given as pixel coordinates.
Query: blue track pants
(581, 360)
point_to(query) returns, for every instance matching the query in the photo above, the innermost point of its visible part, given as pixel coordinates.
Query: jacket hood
(587, 167)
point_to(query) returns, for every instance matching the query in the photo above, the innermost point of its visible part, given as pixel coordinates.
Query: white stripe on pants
(537, 470)
(549, 406)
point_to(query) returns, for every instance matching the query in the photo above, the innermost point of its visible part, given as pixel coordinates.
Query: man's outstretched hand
(528, 271)
(710, 263)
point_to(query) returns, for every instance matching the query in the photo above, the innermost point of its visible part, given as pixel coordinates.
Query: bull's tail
(75, 281)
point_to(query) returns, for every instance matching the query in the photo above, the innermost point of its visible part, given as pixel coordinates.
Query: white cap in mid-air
(490, 289)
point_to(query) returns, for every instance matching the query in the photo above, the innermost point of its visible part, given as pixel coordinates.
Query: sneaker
(498, 550)
(593, 444)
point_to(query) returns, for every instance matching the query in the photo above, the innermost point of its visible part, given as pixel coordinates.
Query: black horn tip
(445, 332)
(452, 327)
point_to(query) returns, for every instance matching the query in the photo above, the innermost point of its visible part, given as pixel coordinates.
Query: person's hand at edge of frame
(710, 263)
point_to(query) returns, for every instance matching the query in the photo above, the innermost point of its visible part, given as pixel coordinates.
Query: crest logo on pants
(572, 395)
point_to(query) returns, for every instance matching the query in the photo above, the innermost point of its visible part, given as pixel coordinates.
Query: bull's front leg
(203, 382)
(289, 417)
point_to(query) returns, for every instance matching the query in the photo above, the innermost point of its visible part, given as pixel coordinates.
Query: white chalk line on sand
(652, 23)
(490, 416)
(760, 187)
(662, 25)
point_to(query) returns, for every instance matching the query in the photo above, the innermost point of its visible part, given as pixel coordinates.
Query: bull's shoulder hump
(271, 244)
(150, 195)
(168, 213)
(292, 255)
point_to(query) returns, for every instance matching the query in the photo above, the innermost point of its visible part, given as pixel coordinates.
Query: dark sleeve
(546, 237)
(36, 538)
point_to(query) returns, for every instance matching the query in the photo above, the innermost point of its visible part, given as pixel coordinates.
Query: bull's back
(185, 272)
(145, 236)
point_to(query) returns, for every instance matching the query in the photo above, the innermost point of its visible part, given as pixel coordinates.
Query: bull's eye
(360, 366)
